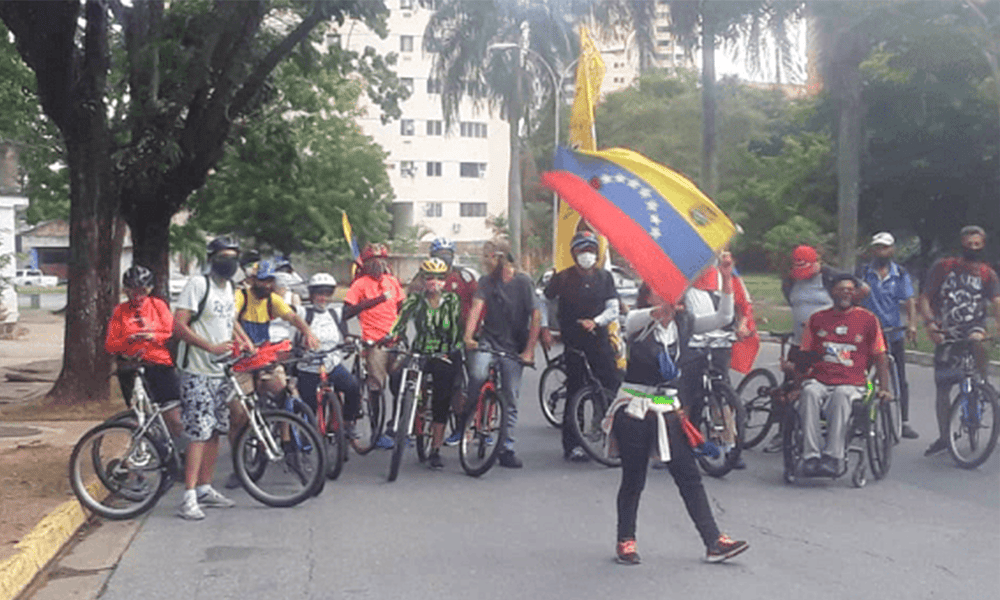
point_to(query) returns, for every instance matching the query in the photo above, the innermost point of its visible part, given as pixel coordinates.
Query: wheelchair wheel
(859, 478)
(791, 444)
(879, 441)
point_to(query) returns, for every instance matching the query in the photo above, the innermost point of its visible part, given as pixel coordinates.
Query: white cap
(883, 238)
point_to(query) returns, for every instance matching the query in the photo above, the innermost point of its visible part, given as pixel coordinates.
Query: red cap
(804, 259)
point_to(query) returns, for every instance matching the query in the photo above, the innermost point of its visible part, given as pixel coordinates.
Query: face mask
(434, 285)
(225, 267)
(881, 261)
(972, 255)
(586, 260)
(261, 291)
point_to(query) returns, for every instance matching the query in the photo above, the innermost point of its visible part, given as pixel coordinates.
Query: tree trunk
(514, 201)
(149, 225)
(848, 165)
(709, 161)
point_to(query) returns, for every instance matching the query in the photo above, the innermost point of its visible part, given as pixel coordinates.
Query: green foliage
(297, 167)
(782, 239)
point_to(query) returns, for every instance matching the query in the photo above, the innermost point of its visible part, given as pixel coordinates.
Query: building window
(333, 40)
(471, 129)
(432, 209)
(406, 127)
(472, 169)
(406, 4)
(407, 83)
(472, 209)
(433, 86)
(435, 127)
(406, 43)
(433, 169)
(407, 168)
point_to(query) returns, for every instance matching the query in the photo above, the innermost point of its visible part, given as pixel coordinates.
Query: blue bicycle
(974, 418)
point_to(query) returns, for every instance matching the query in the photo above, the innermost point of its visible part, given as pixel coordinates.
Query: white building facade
(447, 182)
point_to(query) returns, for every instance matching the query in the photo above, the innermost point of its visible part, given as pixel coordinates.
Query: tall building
(446, 182)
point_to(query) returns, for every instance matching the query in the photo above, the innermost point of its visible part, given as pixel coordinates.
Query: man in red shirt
(844, 339)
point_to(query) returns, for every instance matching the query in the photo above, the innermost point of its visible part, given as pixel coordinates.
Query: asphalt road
(930, 530)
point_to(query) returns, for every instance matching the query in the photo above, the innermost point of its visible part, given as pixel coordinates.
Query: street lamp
(557, 87)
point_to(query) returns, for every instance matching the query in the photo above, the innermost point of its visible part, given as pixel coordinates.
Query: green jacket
(438, 329)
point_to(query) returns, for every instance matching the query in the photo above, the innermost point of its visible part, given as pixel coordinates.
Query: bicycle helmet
(281, 262)
(137, 276)
(223, 242)
(321, 280)
(248, 258)
(583, 239)
(442, 244)
(434, 266)
(374, 251)
(265, 270)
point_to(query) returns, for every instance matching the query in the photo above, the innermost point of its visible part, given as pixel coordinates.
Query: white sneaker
(190, 510)
(213, 499)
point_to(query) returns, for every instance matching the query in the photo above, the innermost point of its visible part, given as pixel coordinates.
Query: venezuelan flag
(656, 218)
(349, 236)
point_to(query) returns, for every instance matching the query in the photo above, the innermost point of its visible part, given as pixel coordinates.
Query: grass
(29, 289)
(773, 314)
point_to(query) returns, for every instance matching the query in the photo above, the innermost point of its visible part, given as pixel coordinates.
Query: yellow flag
(589, 76)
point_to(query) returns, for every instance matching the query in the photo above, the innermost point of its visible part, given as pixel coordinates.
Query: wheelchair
(868, 445)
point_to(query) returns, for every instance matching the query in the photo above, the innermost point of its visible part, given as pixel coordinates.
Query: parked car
(34, 278)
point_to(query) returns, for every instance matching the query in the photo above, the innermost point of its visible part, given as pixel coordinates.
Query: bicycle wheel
(586, 409)
(369, 422)
(422, 426)
(755, 393)
(289, 458)
(405, 407)
(973, 425)
(483, 434)
(893, 406)
(791, 442)
(332, 430)
(879, 440)
(552, 394)
(117, 471)
(722, 421)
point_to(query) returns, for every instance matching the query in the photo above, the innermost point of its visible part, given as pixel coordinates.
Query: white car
(34, 278)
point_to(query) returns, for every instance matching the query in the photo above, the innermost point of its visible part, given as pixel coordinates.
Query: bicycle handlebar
(507, 355)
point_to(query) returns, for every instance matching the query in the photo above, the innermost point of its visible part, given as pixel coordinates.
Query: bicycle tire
(755, 393)
(401, 435)
(879, 441)
(297, 474)
(483, 433)
(334, 435)
(791, 444)
(422, 426)
(722, 413)
(552, 394)
(894, 408)
(586, 409)
(966, 442)
(107, 488)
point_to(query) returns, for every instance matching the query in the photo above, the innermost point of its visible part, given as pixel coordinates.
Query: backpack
(311, 314)
(246, 302)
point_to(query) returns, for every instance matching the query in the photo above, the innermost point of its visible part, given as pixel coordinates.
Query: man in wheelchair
(843, 341)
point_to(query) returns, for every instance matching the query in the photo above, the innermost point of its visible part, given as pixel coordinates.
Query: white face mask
(586, 260)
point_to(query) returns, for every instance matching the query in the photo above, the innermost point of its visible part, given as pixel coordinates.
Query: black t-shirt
(581, 296)
(507, 312)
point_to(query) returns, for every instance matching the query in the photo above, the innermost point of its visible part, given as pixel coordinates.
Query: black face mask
(225, 267)
(972, 255)
(261, 291)
(881, 261)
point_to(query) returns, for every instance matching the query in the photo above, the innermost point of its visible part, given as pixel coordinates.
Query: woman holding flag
(648, 418)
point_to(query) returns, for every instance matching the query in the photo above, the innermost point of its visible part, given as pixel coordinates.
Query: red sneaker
(627, 554)
(725, 548)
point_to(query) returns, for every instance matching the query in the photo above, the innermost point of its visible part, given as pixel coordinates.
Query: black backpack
(311, 314)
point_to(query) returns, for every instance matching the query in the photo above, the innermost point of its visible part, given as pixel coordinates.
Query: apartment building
(447, 182)
(621, 60)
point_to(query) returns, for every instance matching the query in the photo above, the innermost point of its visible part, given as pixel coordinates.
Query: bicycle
(371, 418)
(762, 396)
(329, 415)
(120, 468)
(722, 420)
(413, 419)
(552, 388)
(974, 417)
(484, 428)
(587, 408)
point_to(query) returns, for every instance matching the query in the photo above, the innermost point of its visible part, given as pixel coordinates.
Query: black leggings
(636, 438)
(443, 375)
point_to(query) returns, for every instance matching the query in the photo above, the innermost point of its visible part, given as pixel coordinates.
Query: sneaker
(938, 446)
(724, 549)
(829, 466)
(507, 459)
(384, 442)
(740, 464)
(627, 554)
(213, 499)
(810, 468)
(453, 439)
(434, 461)
(774, 446)
(576, 455)
(191, 511)
(232, 482)
(908, 432)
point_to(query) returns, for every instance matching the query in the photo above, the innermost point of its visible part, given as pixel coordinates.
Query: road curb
(39, 547)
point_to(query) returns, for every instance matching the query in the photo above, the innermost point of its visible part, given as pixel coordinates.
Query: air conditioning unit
(456, 227)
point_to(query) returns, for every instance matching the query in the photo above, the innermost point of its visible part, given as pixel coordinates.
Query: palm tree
(461, 33)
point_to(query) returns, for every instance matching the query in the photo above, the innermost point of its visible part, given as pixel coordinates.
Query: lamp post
(557, 86)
